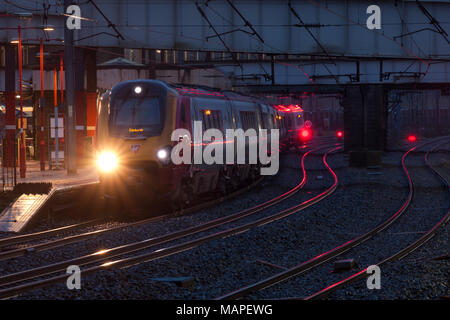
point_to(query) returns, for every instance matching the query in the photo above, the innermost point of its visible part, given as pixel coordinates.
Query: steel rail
(323, 257)
(207, 225)
(14, 253)
(130, 248)
(19, 252)
(400, 254)
(5, 242)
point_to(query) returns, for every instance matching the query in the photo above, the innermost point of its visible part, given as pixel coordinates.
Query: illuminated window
(211, 119)
(248, 120)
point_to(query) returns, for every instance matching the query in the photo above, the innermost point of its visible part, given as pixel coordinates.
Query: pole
(55, 105)
(22, 134)
(61, 76)
(10, 104)
(80, 103)
(91, 94)
(42, 105)
(272, 68)
(70, 158)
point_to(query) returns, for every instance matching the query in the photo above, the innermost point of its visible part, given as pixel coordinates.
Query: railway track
(12, 281)
(362, 274)
(6, 243)
(25, 238)
(9, 253)
(326, 256)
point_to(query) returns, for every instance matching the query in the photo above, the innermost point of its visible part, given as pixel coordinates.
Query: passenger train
(133, 139)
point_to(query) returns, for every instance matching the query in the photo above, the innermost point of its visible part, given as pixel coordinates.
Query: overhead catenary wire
(408, 52)
(315, 39)
(203, 14)
(276, 51)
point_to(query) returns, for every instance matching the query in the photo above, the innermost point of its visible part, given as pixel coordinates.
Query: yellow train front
(135, 122)
(133, 141)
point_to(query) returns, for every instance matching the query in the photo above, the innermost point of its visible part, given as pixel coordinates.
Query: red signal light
(305, 134)
(339, 134)
(412, 138)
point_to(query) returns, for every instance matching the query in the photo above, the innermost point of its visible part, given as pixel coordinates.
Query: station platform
(18, 214)
(58, 178)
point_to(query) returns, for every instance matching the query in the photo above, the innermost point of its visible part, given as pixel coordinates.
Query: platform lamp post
(71, 156)
(42, 98)
(42, 105)
(22, 136)
(61, 76)
(56, 116)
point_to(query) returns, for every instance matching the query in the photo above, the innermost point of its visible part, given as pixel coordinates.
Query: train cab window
(288, 123)
(248, 120)
(136, 115)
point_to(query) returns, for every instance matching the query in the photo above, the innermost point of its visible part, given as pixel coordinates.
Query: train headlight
(107, 161)
(163, 155)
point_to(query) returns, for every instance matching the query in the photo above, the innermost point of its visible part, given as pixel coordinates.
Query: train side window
(264, 122)
(212, 119)
(218, 120)
(248, 120)
(268, 119)
(183, 112)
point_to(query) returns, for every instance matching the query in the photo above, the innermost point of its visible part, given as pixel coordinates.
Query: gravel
(363, 199)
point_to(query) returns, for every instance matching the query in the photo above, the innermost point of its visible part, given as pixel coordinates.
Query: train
(133, 139)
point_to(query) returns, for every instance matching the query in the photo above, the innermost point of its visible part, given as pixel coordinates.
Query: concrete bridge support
(365, 121)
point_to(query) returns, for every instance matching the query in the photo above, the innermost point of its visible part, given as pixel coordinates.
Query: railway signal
(412, 138)
(305, 134)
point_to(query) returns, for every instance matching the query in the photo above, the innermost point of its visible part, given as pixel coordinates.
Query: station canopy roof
(120, 63)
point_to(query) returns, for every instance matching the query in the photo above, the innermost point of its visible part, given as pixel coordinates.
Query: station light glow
(107, 161)
(137, 90)
(339, 134)
(48, 27)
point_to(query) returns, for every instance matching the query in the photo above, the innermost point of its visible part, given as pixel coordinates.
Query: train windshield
(133, 116)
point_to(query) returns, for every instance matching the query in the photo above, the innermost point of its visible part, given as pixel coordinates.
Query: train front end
(295, 132)
(136, 119)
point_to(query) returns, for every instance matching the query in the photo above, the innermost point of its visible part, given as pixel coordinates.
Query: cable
(22, 8)
(365, 28)
(404, 23)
